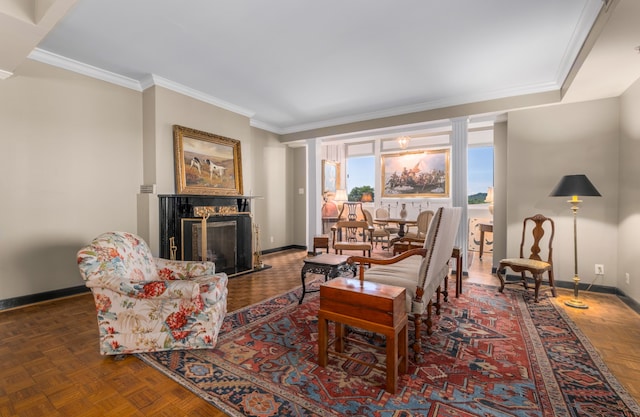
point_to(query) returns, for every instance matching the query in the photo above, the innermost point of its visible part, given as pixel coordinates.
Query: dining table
(401, 222)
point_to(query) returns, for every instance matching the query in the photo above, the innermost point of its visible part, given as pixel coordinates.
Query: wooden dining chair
(382, 215)
(379, 233)
(422, 225)
(537, 231)
(352, 235)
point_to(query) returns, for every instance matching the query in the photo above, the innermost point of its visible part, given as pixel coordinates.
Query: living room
(77, 149)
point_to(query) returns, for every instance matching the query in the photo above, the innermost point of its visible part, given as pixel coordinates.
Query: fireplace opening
(219, 243)
(181, 231)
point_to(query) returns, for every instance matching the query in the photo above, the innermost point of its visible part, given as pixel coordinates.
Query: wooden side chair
(352, 235)
(351, 210)
(422, 225)
(380, 233)
(538, 231)
(382, 214)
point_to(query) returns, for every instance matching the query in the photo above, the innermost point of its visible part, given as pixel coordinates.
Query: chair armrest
(413, 242)
(386, 261)
(411, 239)
(166, 289)
(180, 270)
(376, 261)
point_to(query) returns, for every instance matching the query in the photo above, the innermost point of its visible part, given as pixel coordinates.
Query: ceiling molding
(80, 68)
(5, 74)
(386, 132)
(266, 126)
(90, 71)
(198, 95)
(581, 37)
(439, 104)
(155, 80)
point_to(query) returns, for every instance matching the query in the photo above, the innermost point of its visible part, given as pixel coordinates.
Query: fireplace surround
(229, 231)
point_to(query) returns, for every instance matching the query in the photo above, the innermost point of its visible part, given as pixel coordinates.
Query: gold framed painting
(416, 174)
(205, 163)
(330, 176)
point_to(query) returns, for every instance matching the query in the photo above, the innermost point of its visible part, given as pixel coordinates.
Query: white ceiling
(293, 65)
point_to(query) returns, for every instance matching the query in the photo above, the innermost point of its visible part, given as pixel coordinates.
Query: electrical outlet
(272, 239)
(626, 275)
(599, 268)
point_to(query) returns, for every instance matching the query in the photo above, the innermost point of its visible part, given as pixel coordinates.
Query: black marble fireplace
(228, 239)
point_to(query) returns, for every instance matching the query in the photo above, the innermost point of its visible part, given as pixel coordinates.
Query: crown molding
(78, 67)
(432, 105)
(94, 72)
(155, 80)
(5, 74)
(587, 21)
(266, 126)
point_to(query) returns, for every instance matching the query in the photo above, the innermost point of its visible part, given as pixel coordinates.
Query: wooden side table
(370, 306)
(320, 242)
(328, 265)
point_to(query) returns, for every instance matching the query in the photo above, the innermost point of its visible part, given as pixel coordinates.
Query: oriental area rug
(490, 354)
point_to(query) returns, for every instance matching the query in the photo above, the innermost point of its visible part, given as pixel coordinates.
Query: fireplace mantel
(174, 208)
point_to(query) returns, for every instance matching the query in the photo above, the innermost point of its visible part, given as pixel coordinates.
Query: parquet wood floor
(51, 365)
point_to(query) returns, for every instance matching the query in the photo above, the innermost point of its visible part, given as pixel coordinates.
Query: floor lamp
(574, 186)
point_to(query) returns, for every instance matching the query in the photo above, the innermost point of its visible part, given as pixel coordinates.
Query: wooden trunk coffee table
(370, 306)
(326, 264)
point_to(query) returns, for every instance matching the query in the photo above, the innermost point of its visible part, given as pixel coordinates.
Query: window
(480, 171)
(361, 176)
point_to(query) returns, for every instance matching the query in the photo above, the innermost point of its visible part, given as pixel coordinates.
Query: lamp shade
(341, 195)
(578, 185)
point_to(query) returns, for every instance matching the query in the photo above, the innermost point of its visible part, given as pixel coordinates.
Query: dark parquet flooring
(51, 365)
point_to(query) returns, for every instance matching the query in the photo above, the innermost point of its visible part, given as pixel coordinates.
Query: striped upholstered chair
(419, 271)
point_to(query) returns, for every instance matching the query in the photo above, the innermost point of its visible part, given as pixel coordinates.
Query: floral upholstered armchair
(150, 304)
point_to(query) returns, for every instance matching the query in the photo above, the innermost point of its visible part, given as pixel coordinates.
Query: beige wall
(543, 145)
(162, 109)
(264, 161)
(629, 209)
(70, 167)
(75, 151)
(272, 176)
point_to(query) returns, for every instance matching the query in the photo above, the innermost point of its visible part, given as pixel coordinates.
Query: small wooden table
(326, 264)
(370, 306)
(484, 227)
(320, 242)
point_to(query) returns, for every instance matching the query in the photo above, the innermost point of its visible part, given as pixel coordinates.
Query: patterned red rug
(491, 354)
